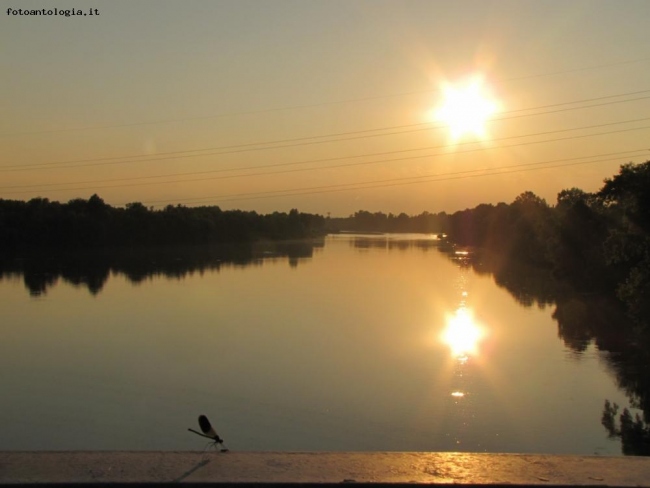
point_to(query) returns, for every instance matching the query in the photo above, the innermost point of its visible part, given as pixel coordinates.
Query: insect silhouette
(209, 432)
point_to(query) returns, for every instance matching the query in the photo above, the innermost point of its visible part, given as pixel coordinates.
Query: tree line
(92, 223)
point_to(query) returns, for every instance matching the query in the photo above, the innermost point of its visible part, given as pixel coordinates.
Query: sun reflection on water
(462, 334)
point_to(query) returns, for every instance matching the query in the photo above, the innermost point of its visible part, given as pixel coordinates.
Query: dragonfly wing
(206, 427)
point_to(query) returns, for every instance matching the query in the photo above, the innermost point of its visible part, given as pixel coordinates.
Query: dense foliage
(79, 223)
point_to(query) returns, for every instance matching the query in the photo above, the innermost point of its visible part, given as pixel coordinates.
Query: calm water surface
(362, 346)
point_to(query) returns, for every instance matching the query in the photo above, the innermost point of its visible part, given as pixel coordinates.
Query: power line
(339, 158)
(494, 173)
(248, 147)
(363, 162)
(319, 104)
(396, 181)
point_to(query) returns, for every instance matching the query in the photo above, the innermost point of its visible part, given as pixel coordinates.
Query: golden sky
(325, 105)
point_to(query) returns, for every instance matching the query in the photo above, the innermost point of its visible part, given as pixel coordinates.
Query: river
(371, 343)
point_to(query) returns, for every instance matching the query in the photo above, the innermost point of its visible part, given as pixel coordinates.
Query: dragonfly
(209, 432)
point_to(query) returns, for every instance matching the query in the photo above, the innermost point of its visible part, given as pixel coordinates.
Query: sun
(466, 107)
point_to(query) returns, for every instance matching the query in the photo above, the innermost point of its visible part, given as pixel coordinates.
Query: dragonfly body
(209, 432)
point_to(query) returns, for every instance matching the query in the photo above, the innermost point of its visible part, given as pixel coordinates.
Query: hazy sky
(165, 101)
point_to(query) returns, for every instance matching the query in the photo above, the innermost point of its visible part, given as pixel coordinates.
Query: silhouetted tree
(576, 241)
(627, 196)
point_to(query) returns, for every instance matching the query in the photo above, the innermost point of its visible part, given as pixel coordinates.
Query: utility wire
(495, 173)
(352, 164)
(250, 146)
(396, 181)
(330, 159)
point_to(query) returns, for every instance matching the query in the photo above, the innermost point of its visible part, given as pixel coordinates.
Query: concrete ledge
(243, 468)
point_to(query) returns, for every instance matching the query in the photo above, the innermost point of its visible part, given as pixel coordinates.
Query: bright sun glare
(462, 334)
(466, 107)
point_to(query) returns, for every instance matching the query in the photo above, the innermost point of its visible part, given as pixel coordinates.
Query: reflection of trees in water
(37, 282)
(583, 320)
(633, 431)
(393, 242)
(92, 270)
(529, 285)
(630, 367)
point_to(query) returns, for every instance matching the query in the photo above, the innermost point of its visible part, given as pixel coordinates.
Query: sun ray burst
(466, 108)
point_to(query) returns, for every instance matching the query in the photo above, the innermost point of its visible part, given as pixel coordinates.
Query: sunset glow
(369, 114)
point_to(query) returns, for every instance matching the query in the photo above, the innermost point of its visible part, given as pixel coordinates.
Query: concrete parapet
(322, 468)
